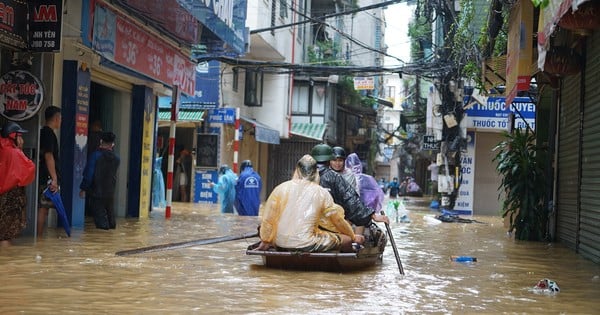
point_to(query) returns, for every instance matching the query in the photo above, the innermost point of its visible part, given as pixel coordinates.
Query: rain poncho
(345, 195)
(294, 210)
(158, 185)
(226, 190)
(17, 169)
(369, 190)
(247, 192)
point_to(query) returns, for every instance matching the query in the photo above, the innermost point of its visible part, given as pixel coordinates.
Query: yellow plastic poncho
(292, 215)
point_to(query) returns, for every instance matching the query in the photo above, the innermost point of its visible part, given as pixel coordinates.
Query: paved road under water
(82, 274)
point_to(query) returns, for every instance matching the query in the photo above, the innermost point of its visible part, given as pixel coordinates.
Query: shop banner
(494, 115)
(82, 99)
(123, 42)
(45, 24)
(519, 50)
(464, 200)
(203, 192)
(13, 23)
(21, 95)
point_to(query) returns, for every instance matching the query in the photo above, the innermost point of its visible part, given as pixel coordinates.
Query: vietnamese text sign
(429, 143)
(203, 191)
(364, 83)
(464, 200)
(123, 42)
(21, 95)
(45, 21)
(494, 114)
(222, 115)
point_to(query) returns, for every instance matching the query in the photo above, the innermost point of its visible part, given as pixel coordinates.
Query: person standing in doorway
(100, 181)
(247, 190)
(49, 171)
(183, 178)
(18, 171)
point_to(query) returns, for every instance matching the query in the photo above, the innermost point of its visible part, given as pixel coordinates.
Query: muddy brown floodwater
(82, 274)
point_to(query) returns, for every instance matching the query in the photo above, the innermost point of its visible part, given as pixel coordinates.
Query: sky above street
(397, 17)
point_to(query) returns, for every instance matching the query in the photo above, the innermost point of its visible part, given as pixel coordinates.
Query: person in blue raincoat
(247, 190)
(158, 185)
(225, 187)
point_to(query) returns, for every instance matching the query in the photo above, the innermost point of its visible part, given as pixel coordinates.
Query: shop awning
(309, 130)
(262, 132)
(184, 115)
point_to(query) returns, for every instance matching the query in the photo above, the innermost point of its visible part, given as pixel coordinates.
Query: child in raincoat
(368, 189)
(225, 188)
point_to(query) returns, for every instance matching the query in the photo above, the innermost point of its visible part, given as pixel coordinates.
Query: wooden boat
(370, 254)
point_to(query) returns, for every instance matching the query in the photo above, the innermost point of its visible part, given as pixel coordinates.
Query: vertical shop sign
(45, 22)
(464, 200)
(147, 156)
(82, 100)
(21, 95)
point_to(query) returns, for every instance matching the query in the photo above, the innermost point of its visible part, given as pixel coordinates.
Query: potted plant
(523, 185)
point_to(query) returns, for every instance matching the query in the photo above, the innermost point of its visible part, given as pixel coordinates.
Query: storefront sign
(206, 93)
(45, 21)
(13, 23)
(123, 42)
(21, 95)
(464, 199)
(429, 143)
(364, 83)
(519, 56)
(222, 116)
(203, 191)
(495, 114)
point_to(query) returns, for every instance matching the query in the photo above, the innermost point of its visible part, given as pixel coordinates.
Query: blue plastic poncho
(247, 192)
(369, 190)
(158, 185)
(225, 187)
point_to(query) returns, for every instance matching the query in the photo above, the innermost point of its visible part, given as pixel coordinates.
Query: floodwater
(82, 274)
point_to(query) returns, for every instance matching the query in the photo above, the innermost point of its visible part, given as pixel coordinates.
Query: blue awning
(263, 133)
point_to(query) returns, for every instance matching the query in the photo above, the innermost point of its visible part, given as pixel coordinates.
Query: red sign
(21, 95)
(144, 52)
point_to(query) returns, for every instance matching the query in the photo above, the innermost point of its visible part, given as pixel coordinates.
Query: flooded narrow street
(82, 274)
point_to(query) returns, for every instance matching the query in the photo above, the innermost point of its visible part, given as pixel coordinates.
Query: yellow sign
(147, 156)
(520, 50)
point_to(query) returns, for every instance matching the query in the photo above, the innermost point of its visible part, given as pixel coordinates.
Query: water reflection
(81, 274)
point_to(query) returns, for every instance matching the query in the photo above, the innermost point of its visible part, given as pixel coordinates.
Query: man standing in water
(49, 173)
(100, 182)
(247, 190)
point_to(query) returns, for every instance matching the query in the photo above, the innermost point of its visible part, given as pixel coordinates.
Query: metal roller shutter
(283, 159)
(589, 221)
(568, 163)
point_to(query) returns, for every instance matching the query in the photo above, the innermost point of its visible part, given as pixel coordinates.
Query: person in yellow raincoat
(295, 209)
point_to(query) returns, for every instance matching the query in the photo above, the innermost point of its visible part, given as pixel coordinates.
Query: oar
(389, 231)
(161, 247)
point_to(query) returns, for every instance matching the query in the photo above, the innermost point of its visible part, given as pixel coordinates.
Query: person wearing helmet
(225, 188)
(17, 171)
(295, 210)
(338, 164)
(247, 190)
(343, 194)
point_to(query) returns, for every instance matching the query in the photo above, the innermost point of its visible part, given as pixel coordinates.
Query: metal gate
(567, 201)
(589, 220)
(283, 159)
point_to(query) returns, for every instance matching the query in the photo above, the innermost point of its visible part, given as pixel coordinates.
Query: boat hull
(369, 255)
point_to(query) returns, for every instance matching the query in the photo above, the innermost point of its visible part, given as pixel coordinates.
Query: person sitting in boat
(294, 210)
(368, 189)
(343, 194)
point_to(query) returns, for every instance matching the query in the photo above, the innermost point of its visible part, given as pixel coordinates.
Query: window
(254, 88)
(391, 91)
(235, 78)
(283, 9)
